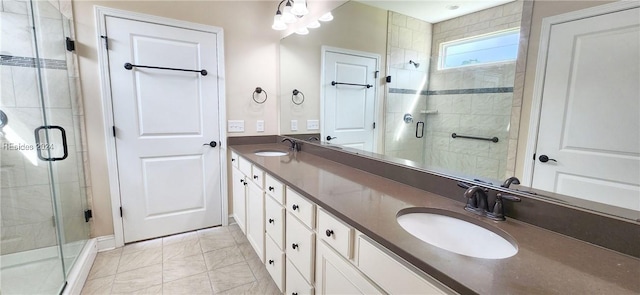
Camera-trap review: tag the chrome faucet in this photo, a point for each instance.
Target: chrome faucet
(295, 146)
(312, 138)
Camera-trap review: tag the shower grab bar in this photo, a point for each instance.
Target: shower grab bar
(130, 66)
(494, 139)
(39, 146)
(334, 83)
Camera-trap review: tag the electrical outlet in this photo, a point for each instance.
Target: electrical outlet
(260, 125)
(313, 124)
(235, 126)
(294, 125)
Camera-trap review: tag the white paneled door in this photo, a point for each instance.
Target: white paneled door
(166, 125)
(589, 139)
(349, 98)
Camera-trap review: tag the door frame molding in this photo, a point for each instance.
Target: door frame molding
(377, 117)
(100, 14)
(541, 69)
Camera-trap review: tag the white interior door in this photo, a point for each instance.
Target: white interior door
(169, 179)
(590, 119)
(349, 110)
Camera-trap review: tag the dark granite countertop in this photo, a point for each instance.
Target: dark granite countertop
(546, 262)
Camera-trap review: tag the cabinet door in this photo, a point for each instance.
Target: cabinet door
(239, 201)
(274, 262)
(335, 275)
(295, 283)
(274, 217)
(300, 247)
(255, 219)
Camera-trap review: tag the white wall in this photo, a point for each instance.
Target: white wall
(251, 60)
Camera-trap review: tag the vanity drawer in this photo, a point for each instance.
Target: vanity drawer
(274, 262)
(245, 166)
(392, 275)
(295, 283)
(301, 208)
(335, 233)
(300, 247)
(234, 159)
(274, 221)
(274, 188)
(257, 176)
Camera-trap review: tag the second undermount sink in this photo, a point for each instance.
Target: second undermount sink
(270, 153)
(448, 231)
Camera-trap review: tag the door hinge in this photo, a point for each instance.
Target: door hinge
(374, 125)
(534, 156)
(376, 74)
(388, 79)
(87, 215)
(71, 45)
(114, 130)
(106, 42)
(120, 211)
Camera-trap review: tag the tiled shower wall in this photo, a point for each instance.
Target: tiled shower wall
(27, 208)
(474, 101)
(408, 39)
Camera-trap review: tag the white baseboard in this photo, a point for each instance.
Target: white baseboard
(80, 271)
(106, 243)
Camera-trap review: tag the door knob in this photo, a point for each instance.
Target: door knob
(212, 144)
(329, 232)
(545, 158)
(294, 246)
(329, 137)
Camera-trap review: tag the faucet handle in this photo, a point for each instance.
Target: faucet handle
(498, 208)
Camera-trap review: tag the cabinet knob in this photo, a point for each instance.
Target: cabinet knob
(294, 293)
(294, 246)
(329, 232)
(271, 188)
(270, 261)
(271, 220)
(241, 180)
(295, 207)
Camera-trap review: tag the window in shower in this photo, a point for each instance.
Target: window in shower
(501, 46)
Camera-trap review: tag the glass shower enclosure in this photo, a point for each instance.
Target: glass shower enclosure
(43, 193)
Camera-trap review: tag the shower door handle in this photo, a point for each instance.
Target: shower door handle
(421, 133)
(40, 146)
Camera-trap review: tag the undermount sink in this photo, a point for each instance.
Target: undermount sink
(447, 230)
(270, 153)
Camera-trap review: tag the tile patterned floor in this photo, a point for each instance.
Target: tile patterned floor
(211, 261)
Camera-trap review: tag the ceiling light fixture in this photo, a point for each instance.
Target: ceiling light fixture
(292, 11)
(326, 17)
(302, 31)
(313, 25)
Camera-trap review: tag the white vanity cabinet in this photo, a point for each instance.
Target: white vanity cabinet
(275, 230)
(307, 250)
(392, 274)
(238, 193)
(255, 219)
(335, 274)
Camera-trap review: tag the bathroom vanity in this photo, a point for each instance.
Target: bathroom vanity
(324, 227)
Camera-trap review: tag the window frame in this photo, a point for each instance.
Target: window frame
(443, 45)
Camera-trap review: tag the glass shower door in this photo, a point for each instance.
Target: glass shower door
(43, 193)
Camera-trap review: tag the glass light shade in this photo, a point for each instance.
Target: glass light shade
(302, 31)
(314, 24)
(326, 17)
(299, 7)
(287, 16)
(278, 24)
